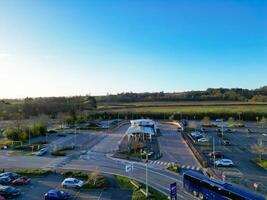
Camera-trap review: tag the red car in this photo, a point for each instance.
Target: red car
(23, 180)
(217, 154)
(2, 198)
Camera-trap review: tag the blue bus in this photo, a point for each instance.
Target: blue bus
(209, 189)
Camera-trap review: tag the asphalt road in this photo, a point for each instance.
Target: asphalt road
(98, 159)
(174, 148)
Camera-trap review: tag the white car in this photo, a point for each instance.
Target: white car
(224, 163)
(203, 139)
(196, 133)
(41, 152)
(72, 183)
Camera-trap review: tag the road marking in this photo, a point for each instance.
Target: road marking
(99, 196)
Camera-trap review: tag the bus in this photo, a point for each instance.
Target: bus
(206, 188)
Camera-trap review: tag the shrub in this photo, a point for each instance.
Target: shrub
(174, 168)
(33, 172)
(58, 153)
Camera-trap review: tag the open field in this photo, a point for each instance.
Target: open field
(185, 107)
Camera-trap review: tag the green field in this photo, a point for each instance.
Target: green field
(185, 108)
(190, 110)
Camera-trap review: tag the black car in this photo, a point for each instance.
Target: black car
(225, 143)
(11, 175)
(51, 131)
(9, 191)
(5, 180)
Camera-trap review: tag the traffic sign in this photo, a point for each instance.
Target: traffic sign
(173, 189)
(129, 168)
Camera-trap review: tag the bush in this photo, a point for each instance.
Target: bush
(100, 182)
(174, 168)
(262, 163)
(33, 172)
(58, 153)
(75, 174)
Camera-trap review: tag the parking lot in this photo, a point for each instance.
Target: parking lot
(239, 151)
(40, 185)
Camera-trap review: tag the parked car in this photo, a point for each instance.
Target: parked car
(9, 191)
(11, 175)
(196, 135)
(217, 154)
(23, 180)
(203, 129)
(249, 130)
(228, 130)
(225, 142)
(224, 163)
(72, 183)
(5, 180)
(4, 147)
(180, 129)
(2, 198)
(52, 131)
(62, 135)
(42, 152)
(56, 195)
(203, 139)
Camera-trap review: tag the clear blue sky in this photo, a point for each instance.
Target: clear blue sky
(71, 47)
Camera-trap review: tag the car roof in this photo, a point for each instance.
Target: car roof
(70, 179)
(53, 191)
(4, 187)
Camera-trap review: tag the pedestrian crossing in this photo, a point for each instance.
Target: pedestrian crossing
(167, 164)
(59, 163)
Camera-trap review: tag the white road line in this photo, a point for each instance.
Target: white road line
(99, 196)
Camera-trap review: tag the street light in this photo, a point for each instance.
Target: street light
(146, 173)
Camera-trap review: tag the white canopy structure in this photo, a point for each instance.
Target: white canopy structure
(142, 129)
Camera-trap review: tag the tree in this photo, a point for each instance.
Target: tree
(12, 134)
(231, 121)
(90, 102)
(259, 149)
(263, 121)
(95, 176)
(206, 120)
(137, 145)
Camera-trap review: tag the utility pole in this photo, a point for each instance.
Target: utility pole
(146, 174)
(222, 128)
(213, 152)
(29, 136)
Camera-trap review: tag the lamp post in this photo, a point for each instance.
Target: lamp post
(146, 174)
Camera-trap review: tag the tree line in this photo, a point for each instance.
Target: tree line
(50, 106)
(211, 94)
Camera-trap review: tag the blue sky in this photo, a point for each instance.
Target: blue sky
(67, 47)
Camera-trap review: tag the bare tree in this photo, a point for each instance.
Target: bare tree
(231, 121)
(259, 148)
(137, 145)
(95, 176)
(206, 120)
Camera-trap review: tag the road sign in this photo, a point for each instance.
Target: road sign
(173, 189)
(129, 168)
(255, 185)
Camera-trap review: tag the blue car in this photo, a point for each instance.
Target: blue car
(56, 195)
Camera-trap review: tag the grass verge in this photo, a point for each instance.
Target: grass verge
(33, 172)
(125, 183)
